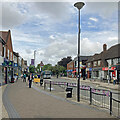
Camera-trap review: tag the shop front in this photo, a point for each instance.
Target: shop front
(118, 73)
(96, 73)
(88, 72)
(69, 73)
(110, 73)
(1, 70)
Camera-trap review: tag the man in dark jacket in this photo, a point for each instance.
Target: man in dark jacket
(30, 78)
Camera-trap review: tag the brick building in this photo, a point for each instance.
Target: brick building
(6, 50)
(105, 66)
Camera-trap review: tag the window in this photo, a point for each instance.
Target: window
(118, 60)
(115, 61)
(109, 62)
(95, 63)
(11, 55)
(8, 53)
(4, 51)
(99, 62)
(88, 64)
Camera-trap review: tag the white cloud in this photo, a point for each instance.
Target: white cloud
(52, 37)
(93, 19)
(11, 16)
(57, 45)
(104, 9)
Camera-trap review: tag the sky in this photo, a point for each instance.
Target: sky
(51, 28)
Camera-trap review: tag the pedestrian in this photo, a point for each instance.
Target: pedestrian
(24, 77)
(30, 77)
(41, 79)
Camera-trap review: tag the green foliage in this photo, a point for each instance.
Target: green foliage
(32, 69)
(57, 69)
(47, 67)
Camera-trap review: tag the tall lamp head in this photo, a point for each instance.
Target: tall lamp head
(79, 5)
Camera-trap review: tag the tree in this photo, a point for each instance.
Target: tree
(65, 61)
(47, 67)
(32, 69)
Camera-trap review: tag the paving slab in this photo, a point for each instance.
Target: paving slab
(32, 103)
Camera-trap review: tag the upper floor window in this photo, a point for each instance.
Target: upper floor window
(109, 62)
(11, 55)
(95, 63)
(88, 64)
(115, 61)
(8, 53)
(118, 60)
(3, 51)
(99, 62)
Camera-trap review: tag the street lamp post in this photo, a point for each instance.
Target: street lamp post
(34, 56)
(79, 5)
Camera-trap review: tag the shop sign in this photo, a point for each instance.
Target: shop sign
(5, 63)
(15, 65)
(10, 63)
(90, 69)
(110, 68)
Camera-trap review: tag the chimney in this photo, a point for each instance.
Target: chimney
(104, 47)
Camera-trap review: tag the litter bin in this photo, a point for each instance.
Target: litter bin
(69, 92)
(41, 82)
(12, 80)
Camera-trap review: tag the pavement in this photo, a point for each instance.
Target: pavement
(100, 84)
(25, 102)
(3, 112)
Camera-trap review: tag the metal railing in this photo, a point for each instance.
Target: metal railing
(98, 97)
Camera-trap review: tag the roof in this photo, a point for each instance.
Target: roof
(4, 35)
(16, 54)
(83, 58)
(71, 62)
(2, 41)
(112, 52)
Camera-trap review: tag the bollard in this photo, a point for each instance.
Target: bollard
(44, 85)
(110, 103)
(67, 84)
(90, 96)
(50, 86)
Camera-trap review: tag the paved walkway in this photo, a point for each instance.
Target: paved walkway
(36, 103)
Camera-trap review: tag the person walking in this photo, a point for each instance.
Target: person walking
(30, 77)
(24, 77)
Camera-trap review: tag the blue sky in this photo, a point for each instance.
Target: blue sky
(52, 28)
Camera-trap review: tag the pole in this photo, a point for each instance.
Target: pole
(108, 74)
(78, 87)
(110, 103)
(34, 57)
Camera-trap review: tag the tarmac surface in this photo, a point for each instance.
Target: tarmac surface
(25, 102)
(109, 86)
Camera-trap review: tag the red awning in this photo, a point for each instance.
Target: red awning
(74, 71)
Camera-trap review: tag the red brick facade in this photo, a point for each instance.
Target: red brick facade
(6, 37)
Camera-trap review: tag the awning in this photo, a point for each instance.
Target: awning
(74, 71)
